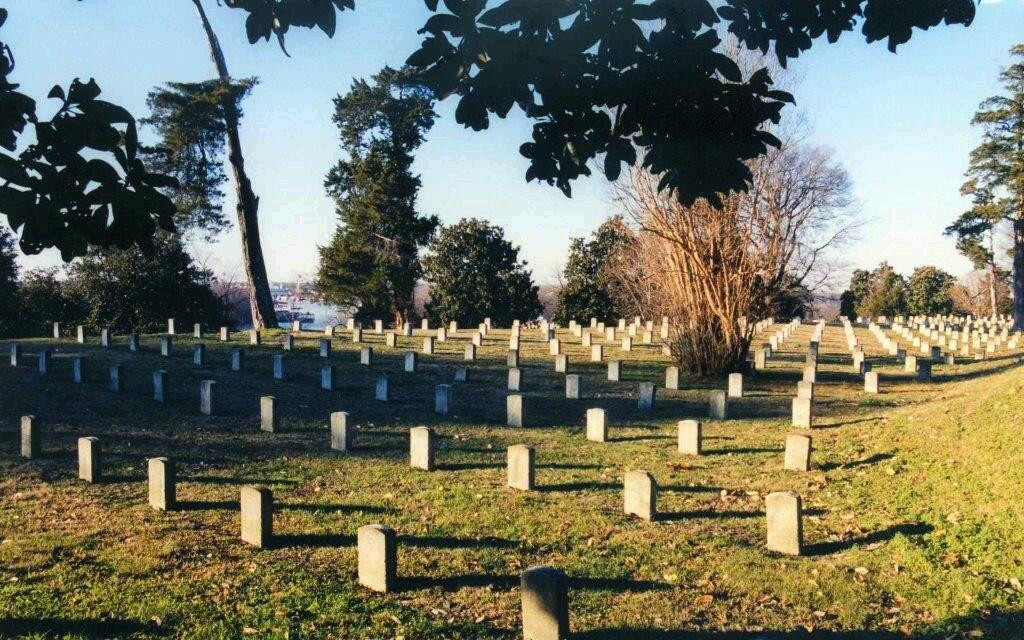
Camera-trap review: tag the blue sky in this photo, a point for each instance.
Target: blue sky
(899, 123)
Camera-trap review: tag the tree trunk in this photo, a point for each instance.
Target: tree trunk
(1018, 272)
(260, 301)
(994, 303)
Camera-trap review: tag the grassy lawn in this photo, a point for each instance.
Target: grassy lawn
(913, 511)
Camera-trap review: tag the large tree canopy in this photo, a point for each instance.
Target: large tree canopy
(475, 273)
(928, 292)
(604, 77)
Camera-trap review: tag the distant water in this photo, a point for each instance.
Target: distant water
(322, 312)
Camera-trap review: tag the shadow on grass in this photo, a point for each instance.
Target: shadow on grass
(508, 583)
(448, 542)
(121, 479)
(295, 540)
(237, 481)
(312, 540)
(207, 505)
(707, 514)
(686, 488)
(467, 466)
(578, 486)
(907, 529)
(741, 450)
(60, 627)
(639, 438)
(334, 508)
(845, 423)
(863, 462)
(1003, 623)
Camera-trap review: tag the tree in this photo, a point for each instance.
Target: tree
(605, 77)
(372, 262)
(996, 180)
(587, 291)
(928, 292)
(128, 290)
(246, 203)
(42, 301)
(189, 119)
(474, 273)
(860, 286)
(792, 300)
(708, 266)
(975, 231)
(972, 294)
(9, 310)
(885, 295)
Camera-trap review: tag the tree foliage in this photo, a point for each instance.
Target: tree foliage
(883, 292)
(793, 299)
(929, 292)
(81, 181)
(41, 301)
(588, 288)
(475, 273)
(8, 283)
(372, 261)
(127, 290)
(605, 77)
(860, 286)
(995, 179)
(275, 17)
(189, 119)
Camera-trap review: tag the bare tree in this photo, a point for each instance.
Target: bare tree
(708, 267)
(981, 293)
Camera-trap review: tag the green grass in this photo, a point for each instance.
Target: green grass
(913, 510)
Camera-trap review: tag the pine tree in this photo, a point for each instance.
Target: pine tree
(189, 119)
(372, 261)
(996, 180)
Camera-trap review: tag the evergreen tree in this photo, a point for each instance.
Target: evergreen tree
(975, 231)
(996, 180)
(475, 273)
(586, 292)
(43, 300)
(189, 118)
(128, 290)
(372, 261)
(886, 293)
(881, 292)
(928, 292)
(860, 284)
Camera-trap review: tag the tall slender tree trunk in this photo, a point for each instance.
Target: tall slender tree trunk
(1018, 271)
(993, 302)
(260, 301)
